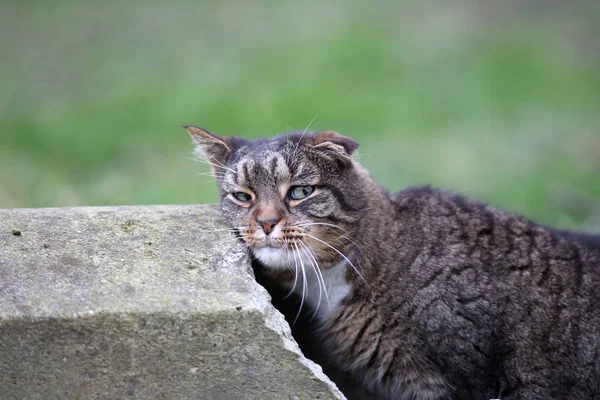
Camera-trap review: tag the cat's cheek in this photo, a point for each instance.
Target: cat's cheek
(315, 207)
(323, 212)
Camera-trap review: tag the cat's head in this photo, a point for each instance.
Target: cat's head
(292, 199)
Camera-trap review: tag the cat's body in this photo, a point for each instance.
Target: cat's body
(491, 306)
(423, 294)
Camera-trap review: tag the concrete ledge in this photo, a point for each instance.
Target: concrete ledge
(143, 303)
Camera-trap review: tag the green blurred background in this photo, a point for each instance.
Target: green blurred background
(499, 100)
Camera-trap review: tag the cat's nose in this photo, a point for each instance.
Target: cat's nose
(268, 224)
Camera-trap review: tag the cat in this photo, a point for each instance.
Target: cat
(423, 294)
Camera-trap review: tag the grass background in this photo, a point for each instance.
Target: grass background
(498, 100)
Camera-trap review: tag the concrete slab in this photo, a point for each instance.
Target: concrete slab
(139, 302)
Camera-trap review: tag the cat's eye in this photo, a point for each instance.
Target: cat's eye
(300, 192)
(243, 197)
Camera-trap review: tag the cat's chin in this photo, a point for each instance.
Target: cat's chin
(280, 257)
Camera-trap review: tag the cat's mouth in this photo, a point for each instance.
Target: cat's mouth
(278, 243)
(274, 257)
(282, 247)
(276, 246)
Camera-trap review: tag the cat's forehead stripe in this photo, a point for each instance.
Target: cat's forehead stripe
(266, 167)
(243, 171)
(278, 167)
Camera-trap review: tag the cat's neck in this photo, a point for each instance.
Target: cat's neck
(326, 289)
(354, 270)
(375, 227)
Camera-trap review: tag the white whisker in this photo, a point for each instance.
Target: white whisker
(295, 275)
(223, 166)
(220, 230)
(340, 253)
(333, 226)
(303, 285)
(218, 165)
(320, 223)
(320, 277)
(305, 130)
(210, 174)
(319, 284)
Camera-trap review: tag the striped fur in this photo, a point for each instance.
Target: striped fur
(442, 297)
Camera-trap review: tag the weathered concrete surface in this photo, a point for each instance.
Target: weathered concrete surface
(139, 302)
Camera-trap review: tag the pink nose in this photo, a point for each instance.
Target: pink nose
(268, 224)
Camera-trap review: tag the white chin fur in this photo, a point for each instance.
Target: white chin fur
(274, 257)
(324, 292)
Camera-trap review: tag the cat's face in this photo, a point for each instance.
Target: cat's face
(293, 199)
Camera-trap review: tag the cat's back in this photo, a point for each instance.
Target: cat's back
(518, 296)
(429, 208)
(508, 247)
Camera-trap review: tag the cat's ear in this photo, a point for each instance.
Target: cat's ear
(213, 148)
(335, 144)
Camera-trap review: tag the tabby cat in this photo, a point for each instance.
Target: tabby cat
(422, 294)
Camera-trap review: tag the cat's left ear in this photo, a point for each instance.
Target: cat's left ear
(213, 147)
(335, 144)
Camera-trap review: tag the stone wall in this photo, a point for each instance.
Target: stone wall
(141, 303)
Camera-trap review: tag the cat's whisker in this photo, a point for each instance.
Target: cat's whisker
(223, 236)
(303, 285)
(319, 284)
(319, 274)
(220, 165)
(233, 228)
(340, 253)
(201, 160)
(205, 161)
(305, 130)
(286, 243)
(210, 180)
(219, 230)
(295, 275)
(209, 174)
(303, 224)
(309, 223)
(350, 240)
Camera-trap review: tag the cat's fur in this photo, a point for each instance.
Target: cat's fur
(431, 295)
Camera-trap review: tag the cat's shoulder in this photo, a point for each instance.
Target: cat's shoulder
(428, 196)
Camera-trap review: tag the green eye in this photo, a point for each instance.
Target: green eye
(241, 196)
(300, 192)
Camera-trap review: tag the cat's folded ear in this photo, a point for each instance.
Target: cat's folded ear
(335, 144)
(213, 148)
